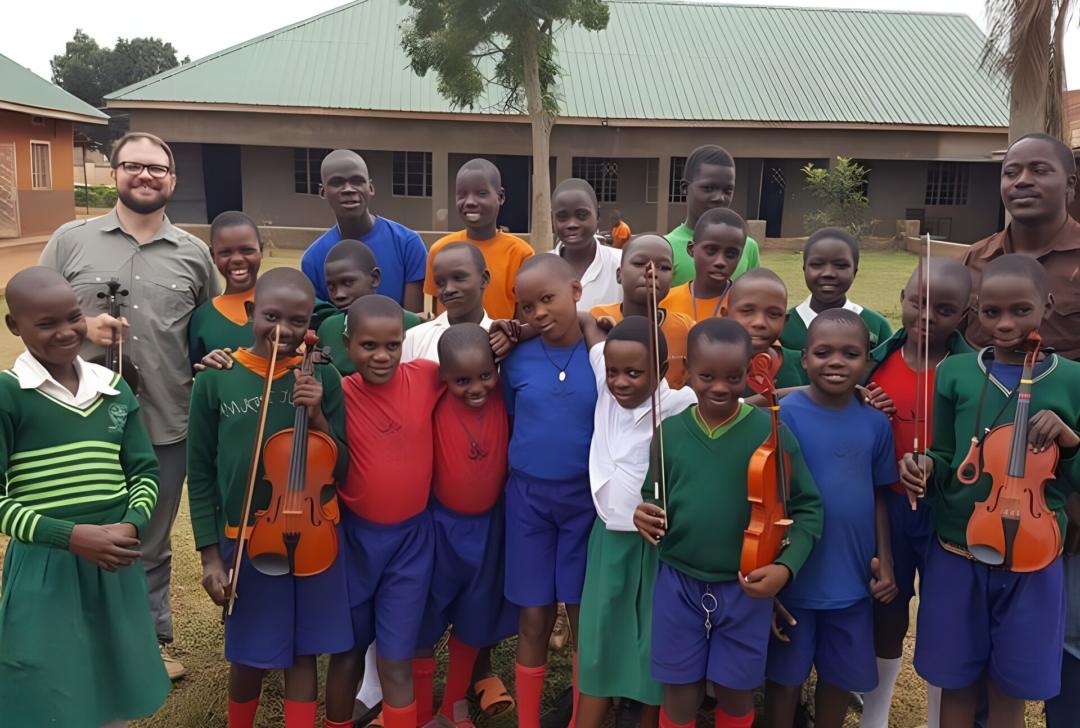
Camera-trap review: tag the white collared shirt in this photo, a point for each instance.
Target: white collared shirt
(599, 285)
(808, 314)
(422, 342)
(619, 454)
(94, 381)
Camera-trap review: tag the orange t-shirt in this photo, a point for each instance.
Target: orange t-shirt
(231, 305)
(503, 254)
(680, 300)
(619, 235)
(676, 328)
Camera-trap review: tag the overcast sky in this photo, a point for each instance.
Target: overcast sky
(31, 34)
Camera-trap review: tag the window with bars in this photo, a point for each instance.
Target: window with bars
(602, 173)
(412, 174)
(676, 191)
(947, 183)
(306, 164)
(40, 166)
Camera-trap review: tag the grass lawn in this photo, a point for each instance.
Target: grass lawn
(199, 700)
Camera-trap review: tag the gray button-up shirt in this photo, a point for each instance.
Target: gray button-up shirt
(166, 278)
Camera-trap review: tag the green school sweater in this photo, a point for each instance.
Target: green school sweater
(332, 333)
(684, 264)
(707, 502)
(957, 386)
(794, 336)
(224, 418)
(209, 329)
(65, 466)
(323, 310)
(956, 344)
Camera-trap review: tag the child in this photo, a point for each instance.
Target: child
(574, 214)
(637, 254)
(709, 183)
(849, 449)
(479, 194)
(709, 621)
(975, 621)
(222, 322)
(77, 642)
(902, 386)
(387, 526)
(277, 622)
(471, 439)
(830, 262)
(616, 605)
(550, 395)
(758, 301)
(620, 231)
(717, 248)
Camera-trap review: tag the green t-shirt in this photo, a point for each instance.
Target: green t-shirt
(332, 331)
(684, 264)
(794, 335)
(209, 329)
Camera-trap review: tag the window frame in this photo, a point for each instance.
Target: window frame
(676, 191)
(405, 187)
(600, 172)
(313, 177)
(948, 184)
(35, 172)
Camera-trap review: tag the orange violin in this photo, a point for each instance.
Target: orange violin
(1013, 528)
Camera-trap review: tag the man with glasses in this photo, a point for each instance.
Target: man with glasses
(167, 274)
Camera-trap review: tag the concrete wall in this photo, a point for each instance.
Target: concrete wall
(41, 211)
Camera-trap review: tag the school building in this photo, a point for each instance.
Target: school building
(780, 88)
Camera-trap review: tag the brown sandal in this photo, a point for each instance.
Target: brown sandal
(492, 696)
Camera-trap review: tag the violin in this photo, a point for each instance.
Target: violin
(297, 533)
(114, 359)
(768, 481)
(1013, 528)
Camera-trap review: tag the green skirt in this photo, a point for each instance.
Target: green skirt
(77, 644)
(616, 617)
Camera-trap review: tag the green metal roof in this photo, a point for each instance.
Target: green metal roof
(660, 61)
(22, 87)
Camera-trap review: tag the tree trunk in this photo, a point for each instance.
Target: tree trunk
(541, 121)
(1028, 96)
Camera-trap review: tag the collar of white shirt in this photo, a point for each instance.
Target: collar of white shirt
(442, 321)
(603, 253)
(94, 381)
(808, 314)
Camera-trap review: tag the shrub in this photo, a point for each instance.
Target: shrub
(100, 196)
(842, 197)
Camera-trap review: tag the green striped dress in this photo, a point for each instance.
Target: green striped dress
(77, 643)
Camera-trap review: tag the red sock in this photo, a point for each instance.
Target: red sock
(343, 724)
(530, 683)
(723, 720)
(242, 715)
(458, 675)
(423, 674)
(399, 717)
(300, 715)
(577, 695)
(666, 722)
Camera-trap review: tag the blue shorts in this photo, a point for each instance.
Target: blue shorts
(911, 533)
(732, 655)
(838, 642)
(275, 618)
(389, 577)
(975, 620)
(547, 539)
(468, 579)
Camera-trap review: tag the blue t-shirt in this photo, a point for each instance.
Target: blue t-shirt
(1007, 374)
(399, 252)
(849, 452)
(553, 420)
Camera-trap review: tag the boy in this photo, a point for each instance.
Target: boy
(709, 183)
(636, 282)
(710, 621)
(975, 621)
(620, 231)
(758, 301)
(348, 188)
(574, 214)
(849, 451)
(479, 195)
(80, 482)
(387, 527)
(717, 248)
(830, 263)
(903, 386)
(277, 622)
(550, 393)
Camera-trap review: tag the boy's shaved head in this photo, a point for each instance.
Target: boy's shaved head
(579, 185)
(1021, 266)
(636, 329)
(552, 266)
(643, 238)
(28, 287)
(356, 253)
(463, 247)
(945, 274)
(482, 165)
(719, 216)
(839, 317)
(284, 278)
(463, 337)
(718, 331)
(370, 307)
(339, 158)
(750, 277)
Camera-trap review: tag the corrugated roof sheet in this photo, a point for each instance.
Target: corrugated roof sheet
(22, 86)
(662, 61)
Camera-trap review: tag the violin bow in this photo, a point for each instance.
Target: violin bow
(659, 478)
(922, 377)
(249, 492)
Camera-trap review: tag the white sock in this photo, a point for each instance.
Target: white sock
(371, 689)
(876, 703)
(933, 706)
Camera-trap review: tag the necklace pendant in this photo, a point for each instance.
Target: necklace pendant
(562, 376)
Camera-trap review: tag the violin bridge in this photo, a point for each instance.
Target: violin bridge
(293, 513)
(784, 522)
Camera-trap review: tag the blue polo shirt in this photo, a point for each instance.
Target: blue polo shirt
(849, 452)
(399, 252)
(553, 419)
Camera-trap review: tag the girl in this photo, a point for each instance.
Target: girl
(574, 218)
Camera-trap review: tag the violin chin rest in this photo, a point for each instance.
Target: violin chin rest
(986, 554)
(271, 564)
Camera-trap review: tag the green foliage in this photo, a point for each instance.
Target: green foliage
(100, 196)
(90, 71)
(842, 198)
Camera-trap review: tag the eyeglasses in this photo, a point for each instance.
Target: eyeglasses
(157, 171)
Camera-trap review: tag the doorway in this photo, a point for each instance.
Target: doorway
(9, 193)
(773, 187)
(222, 179)
(516, 171)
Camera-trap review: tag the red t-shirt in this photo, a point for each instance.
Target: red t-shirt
(470, 453)
(905, 387)
(389, 433)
